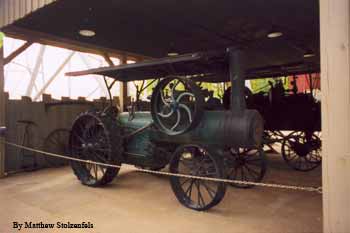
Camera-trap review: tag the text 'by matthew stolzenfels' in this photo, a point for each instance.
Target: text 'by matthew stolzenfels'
(58, 225)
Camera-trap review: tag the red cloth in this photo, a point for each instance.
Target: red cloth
(303, 82)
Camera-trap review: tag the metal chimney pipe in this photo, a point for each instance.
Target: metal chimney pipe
(237, 78)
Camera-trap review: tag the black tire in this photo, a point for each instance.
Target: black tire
(300, 152)
(246, 165)
(193, 158)
(96, 138)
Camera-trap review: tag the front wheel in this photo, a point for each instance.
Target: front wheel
(195, 160)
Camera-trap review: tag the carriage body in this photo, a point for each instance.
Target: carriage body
(293, 112)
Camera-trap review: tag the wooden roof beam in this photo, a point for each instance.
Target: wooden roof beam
(17, 52)
(49, 39)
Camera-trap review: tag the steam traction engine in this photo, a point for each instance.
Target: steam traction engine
(177, 131)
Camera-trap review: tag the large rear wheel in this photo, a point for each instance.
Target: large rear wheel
(97, 139)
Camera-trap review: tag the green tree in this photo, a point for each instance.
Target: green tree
(2, 35)
(262, 85)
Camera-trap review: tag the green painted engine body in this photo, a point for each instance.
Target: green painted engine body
(139, 149)
(219, 129)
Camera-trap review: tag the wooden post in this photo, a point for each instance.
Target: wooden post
(335, 81)
(2, 108)
(123, 95)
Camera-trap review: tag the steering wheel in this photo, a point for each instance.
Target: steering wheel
(176, 105)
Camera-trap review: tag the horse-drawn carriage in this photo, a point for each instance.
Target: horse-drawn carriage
(292, 119)
(178, 130)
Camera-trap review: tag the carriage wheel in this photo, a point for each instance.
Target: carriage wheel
(197, 194)
(272, 138)
(96, 139)
(57, 142)
(246, 165)
(302, 151)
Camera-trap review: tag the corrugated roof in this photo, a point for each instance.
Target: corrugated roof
(12, 10)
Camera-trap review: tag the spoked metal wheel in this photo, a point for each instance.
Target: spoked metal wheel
(193, 193)
(176, 105)
(246, 164)
(57, 142)
(302, 150)
(93, 138)
(273, 139)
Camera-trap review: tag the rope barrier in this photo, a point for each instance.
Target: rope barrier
(70, 158)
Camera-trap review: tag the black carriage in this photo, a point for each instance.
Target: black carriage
(291, 118)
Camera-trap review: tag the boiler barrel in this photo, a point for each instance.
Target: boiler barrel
(221, 128)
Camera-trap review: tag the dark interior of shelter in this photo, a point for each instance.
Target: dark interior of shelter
(155, 28)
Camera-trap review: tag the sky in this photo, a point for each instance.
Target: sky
(18, 73)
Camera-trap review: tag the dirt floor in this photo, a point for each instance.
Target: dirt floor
(137, 202)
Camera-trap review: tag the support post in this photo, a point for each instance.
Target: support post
(237, 78)
(123, 95)
(335, 80)
(2, 108)
(108, 59)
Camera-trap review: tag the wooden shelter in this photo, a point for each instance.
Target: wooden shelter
(276, 32)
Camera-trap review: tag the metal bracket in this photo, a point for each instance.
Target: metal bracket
(3, 131)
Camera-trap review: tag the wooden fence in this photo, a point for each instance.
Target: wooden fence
(33, 123)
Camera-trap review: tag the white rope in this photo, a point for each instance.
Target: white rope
(270, 185)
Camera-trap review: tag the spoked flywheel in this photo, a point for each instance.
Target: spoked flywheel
(193, 193)
(176, 105)
(97, 139)
(246, 164)
(302, 150)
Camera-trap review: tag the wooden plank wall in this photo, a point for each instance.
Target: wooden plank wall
(46, 118)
